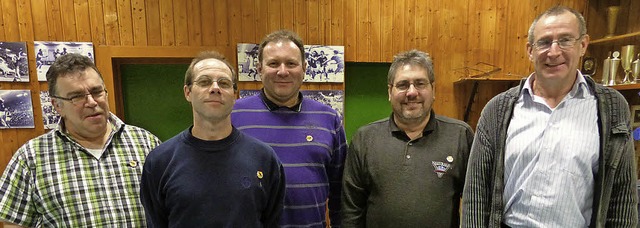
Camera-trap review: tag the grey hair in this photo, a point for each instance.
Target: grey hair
(415, 58)
(554, 11)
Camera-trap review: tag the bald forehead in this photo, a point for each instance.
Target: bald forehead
(211, 64)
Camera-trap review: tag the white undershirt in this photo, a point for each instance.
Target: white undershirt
(97, 153)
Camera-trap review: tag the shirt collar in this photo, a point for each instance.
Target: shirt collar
(399, 133)
(273, 106)
(115, 123)
(580, 88)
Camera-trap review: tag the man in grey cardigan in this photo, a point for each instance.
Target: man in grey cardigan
(557, 150)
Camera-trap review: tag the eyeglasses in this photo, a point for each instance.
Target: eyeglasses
(403, 86)
(82, 98)
(206, 82)
(564, 43)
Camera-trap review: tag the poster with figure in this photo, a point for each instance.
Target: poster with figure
(14, 65)
(247, 62)
(16, 109)
(47, 52)
(324, 63)
(50, 117)
(333, 98)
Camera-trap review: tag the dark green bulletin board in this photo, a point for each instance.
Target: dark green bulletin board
(153, 97)
(366, 98)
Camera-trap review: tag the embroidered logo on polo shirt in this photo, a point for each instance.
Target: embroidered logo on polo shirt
(440, 167)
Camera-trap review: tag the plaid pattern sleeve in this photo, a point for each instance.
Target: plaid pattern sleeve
(15, 187)
(52, 181)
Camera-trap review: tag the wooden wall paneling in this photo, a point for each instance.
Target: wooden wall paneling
(96, 19)
(287, 18)
(450, 20)
(83, 23)
(483, 25)
(350, 30)
(386, 31)
(209, 23)
(222, 18)
(397, 30)
(375, 31)
(139, 22)
(362, 31)
(181, 26)
(68, 20)
(249, 17)
(313, 36)
(25, 22)
(194, 22)
(54, 20)
(409, 29)
(111, 26)
(301, 18)
(337, 23)
(325, 22)
(502, 24)
(2, 29)
(10, 20)
(275, 12)
(153, 29)
(232, 29)
(261, 21)
(425, 29)
(507, 57)
(326, 14)
(167, 23)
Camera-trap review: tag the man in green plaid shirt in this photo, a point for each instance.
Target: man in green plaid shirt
(84, 173)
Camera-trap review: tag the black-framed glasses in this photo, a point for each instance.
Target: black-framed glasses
(82, 98)
(564, 43)
(403, 86)
(206, 82)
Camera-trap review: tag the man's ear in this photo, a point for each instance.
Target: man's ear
(187, 93)
(529, 51)
(56, 104)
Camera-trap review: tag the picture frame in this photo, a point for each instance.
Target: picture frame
(635, 116)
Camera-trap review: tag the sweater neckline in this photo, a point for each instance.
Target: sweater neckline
(211, 145)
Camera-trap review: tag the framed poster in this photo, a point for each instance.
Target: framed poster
(47, 52)
(16, 110)
(14, 66)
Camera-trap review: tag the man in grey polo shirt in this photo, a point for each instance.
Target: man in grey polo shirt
(407, 170)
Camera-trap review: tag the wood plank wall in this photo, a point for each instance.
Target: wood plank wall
(455, 32)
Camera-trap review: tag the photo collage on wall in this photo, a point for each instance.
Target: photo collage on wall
(324, 63)
(333, 98)
(16, 107)
(13, 62)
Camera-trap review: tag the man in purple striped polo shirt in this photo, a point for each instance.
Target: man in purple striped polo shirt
(307, 136)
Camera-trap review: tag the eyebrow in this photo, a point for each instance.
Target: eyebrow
(81, 92)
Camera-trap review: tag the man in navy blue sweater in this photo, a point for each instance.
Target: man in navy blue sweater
(211, 174)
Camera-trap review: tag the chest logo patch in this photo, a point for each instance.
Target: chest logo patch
(440, 167)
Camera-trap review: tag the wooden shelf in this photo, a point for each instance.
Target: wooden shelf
(489, 79)
(619, 39)
(626, 86)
